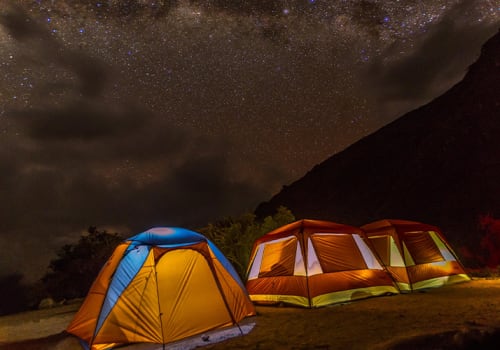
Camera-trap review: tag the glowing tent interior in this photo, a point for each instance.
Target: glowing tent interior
(314, 263)
(417, 255)
(160, 286)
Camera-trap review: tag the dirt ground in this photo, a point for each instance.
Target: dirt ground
(461, 316)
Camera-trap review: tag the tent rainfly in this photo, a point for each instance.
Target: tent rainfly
(417, 255)
(160, 286)
(314, 263)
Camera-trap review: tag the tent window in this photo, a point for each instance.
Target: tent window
(445, 252)
(381, 245)
(278, 258)
(422, 247)
(338, 252)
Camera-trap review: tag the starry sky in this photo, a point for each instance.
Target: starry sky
(131, 114)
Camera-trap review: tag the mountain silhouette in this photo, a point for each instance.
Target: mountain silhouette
(438, 164)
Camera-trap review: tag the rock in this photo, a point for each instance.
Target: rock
(46, 303)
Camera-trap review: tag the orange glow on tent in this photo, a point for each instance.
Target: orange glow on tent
(314, 263)
(160, 286)
(416, 254)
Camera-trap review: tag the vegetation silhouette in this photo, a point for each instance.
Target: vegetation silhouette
(235, 236)
(76, 266)
(15, 294)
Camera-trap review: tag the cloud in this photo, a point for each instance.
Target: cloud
(46, 201)
(436, 59)
(69, 162)
(44, 48)
(80, 120)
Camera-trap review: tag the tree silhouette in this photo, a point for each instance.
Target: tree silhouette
(77, 265)
(490, 242)
(14, 294)
(235, 237)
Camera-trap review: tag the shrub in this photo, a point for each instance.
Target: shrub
(14, 294)
(235, 237)
(77, 265)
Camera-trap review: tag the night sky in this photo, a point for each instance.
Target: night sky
(127, 115)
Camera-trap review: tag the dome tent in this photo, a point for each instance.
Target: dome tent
(416, 254)
(313, 263)
(160, 286)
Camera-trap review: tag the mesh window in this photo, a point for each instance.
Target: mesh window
(278, 258)
(338, 252)
(422, 247)
(381, 245)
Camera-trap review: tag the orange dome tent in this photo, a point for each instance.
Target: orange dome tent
(160, 286)
(417, 255)
(314, 263)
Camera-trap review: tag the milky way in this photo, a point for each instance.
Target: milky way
(133, 114)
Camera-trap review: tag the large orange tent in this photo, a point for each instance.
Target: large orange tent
(314, 263)
(160, 286)
(416, 254)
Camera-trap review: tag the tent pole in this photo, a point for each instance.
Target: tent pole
(159, 310)
(217, 282)
(306, 260)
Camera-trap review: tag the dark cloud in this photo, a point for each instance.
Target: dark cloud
(79, 120)
(84, 159)
(47, 202)
(43, 48)
(95, 96)
(432, 61)
(21, 26)
(52, 194)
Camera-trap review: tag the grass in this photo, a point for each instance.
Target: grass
(450, 317)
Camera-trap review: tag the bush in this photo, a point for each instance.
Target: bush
(235, 237)
(14, 294)
(77, 265)
(484, 258)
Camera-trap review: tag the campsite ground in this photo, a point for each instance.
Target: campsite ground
(453, 317)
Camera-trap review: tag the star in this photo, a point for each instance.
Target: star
(118, 113)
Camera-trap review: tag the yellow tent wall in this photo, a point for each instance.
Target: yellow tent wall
(160, 293)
